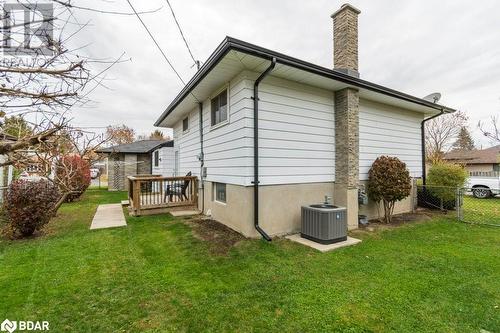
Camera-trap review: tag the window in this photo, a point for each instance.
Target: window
(219, 108)
(157, 158)
(220, 192)
(185, 124)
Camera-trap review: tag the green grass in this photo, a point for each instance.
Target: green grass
(481, 210)
(153, 275)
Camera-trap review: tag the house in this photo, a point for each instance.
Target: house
(131, 159)
(163, 158)
(477, 161)
(267, 133)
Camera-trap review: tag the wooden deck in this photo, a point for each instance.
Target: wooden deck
(149, 194)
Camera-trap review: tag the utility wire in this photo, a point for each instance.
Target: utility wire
(156, 43)
(182, 35)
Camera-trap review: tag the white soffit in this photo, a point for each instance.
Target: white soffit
(235, 62)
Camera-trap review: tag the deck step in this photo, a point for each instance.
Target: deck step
(177, 213)
(125, 203)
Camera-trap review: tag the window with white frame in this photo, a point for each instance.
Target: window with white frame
(219, 108)
(185, 124)
(220, 192)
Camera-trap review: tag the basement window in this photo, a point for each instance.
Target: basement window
(219, 108)
(220, 192)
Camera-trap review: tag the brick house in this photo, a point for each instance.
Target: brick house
(266, 133)
(130, 159)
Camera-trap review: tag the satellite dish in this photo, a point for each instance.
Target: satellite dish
(434, 98)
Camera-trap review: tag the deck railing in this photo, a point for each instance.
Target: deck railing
(148, 194)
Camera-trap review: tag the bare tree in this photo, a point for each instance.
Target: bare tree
(120, 134)
(50, 157)
(441, 132)
(42, 77)
(157, 135)
(491, 130)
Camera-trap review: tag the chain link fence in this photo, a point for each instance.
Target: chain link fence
(468, 205)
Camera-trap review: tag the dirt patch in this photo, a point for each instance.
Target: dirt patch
(399, 220)
(220, 239)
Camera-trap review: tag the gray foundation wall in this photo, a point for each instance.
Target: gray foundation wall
(280, 206)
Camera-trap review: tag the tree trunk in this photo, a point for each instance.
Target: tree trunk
(58, 204)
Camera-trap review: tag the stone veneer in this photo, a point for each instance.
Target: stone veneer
(345, 39)
(347, 137)
(347, 153)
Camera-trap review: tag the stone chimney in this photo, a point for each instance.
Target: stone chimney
(345, 40)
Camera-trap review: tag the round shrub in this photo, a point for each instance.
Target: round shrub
(73, 174)
(444, 178)
(28, 206)
(388, 181)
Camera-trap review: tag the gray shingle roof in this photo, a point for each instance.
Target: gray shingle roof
(137, 147)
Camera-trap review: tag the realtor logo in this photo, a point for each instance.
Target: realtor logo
(27, 28)
(23, 325)
(8, 326)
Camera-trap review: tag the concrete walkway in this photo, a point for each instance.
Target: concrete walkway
(108, 216)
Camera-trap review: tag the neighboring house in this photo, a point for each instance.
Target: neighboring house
(129, 160)
(163, 160)
(477, 161)
(278, 132)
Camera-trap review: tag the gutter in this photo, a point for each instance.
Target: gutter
(202, 160)
(256, 149)
(422, 138)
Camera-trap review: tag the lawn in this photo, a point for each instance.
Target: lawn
(154, 275)
(481, 210)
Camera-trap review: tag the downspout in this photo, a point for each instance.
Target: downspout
(422, 138)
(202, 159)
(256, 150)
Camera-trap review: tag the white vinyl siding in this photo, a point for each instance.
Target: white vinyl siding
(225, 146)
(296, 133)
(386, 130)
(166, 162)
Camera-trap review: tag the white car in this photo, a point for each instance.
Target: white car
(484, 187)
(32, 178)
(94, 173)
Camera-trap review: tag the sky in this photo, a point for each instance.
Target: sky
(417, 47)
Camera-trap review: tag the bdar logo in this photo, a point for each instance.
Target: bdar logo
(9, 326)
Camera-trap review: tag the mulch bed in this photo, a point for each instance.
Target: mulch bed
(399, 220)
(219, 238)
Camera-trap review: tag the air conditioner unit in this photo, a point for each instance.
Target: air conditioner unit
(324, 223)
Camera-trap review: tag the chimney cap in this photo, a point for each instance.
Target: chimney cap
(345, 7)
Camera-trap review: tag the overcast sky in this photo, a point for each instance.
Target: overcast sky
(417, 47)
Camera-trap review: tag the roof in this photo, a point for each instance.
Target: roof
(233, 56)
(484, 156)
(137, 147)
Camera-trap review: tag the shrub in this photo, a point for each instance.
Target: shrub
(28, 206)
(444, 179)
(388, 181)
(73, 174)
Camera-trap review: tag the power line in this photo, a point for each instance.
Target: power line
(182, 34)
(156, 43)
